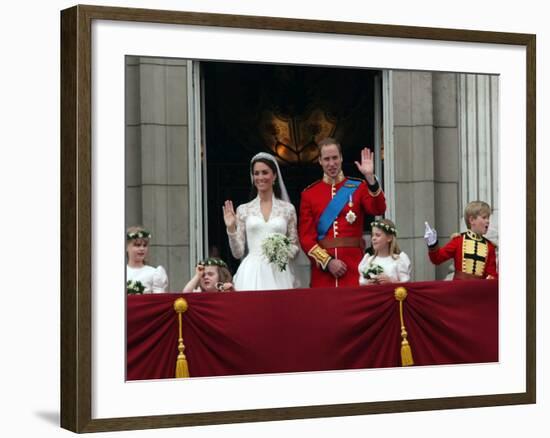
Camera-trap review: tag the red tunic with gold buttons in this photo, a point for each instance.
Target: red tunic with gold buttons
(474, 256)
(343, 240)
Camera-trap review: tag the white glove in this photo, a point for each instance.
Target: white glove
(430, 235)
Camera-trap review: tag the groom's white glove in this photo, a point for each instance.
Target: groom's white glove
(430, 235)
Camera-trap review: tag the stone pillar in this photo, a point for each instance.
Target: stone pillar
(447, 162)
(157, 183)
(413, 150)
(479, 120)
(444, 154)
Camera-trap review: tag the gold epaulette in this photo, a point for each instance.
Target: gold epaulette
(320, 255)
(312, 184)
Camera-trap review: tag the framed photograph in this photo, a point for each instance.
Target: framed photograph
(450, 117)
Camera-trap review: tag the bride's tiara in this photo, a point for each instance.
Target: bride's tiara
(264, 155)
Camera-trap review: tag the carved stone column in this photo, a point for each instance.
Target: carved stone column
(157, 183)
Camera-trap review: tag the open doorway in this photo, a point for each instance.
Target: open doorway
(284, 110)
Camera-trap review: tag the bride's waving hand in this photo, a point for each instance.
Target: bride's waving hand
(229, 216)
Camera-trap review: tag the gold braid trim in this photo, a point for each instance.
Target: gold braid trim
(182, 369)
(320, 255)
(406, 352)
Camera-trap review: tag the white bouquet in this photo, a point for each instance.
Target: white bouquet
(134, 287)
(372, 271)
(276, 248)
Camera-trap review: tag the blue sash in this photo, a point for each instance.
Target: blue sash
(335, 206)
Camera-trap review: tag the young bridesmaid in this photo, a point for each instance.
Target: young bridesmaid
(140, 277)
(210, 275)
(388, 264)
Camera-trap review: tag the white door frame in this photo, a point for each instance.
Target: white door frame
(196, 169)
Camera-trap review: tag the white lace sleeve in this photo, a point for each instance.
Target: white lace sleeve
(237, 239)
(404, 267)
(292, 231)
(160, 280)
(362, 267)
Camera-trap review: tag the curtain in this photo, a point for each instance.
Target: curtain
(232, 333)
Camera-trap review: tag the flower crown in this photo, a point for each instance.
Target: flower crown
(141, 234)
(212, 261)
(387, 228)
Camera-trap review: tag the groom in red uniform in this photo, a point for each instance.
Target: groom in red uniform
(331, 217)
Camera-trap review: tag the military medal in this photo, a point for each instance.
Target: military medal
(350, 216)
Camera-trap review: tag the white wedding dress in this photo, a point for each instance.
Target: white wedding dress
(255, 272)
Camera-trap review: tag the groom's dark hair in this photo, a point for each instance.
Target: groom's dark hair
(329, 141)
(271, 165)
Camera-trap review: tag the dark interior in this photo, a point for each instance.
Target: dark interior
(239, 100)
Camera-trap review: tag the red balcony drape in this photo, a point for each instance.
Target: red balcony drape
(448, 322)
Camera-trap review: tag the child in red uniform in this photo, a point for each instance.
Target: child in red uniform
(474, 255)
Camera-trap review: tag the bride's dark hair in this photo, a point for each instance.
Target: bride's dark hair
(271, 165)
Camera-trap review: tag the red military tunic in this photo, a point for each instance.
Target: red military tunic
(474, 256)
(343, 240)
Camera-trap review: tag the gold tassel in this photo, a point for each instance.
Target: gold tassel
(182, 369)
(406, 352)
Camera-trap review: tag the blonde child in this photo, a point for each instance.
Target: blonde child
(388, 264)
(474, 255)
(210, 275)
(140, 277)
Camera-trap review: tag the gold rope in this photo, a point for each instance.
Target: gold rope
(406, 352)
(182, 369)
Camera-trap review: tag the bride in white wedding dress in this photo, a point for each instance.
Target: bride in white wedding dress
(268, 213)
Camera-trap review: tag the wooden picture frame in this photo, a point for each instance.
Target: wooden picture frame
(76, 217)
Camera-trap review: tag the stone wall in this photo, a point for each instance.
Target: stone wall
(445, 154)
(157, 185)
